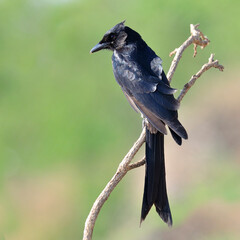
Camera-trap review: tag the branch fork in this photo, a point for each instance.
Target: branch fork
(197, 38)
(211, 64)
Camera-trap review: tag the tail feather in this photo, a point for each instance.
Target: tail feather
(177, 138)
(155, 191)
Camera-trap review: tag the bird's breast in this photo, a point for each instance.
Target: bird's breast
(125, 68)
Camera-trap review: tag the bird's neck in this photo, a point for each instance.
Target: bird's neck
(126, 53)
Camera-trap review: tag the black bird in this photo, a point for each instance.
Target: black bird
(138, 70)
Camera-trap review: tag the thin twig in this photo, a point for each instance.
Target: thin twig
(211, 63)
(198, 39)
(137, 164)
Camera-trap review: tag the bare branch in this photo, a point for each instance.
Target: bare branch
(137, 164)
(102, 198)
(197, 39)
(211, 63)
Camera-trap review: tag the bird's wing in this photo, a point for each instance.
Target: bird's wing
(152, 118)
(157, 70)
(158, 105)
(131, 102)
(153, 97)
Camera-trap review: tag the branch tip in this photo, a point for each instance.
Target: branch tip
(197, 38)
(211, 63)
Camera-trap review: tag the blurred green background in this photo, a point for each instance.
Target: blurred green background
(65, 124)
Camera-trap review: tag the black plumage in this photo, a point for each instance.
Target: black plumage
(138, 70)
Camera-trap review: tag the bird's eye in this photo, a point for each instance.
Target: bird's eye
(111, 37)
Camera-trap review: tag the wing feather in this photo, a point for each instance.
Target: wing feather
(148, 90)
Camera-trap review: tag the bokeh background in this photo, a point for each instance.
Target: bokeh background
(65, 124)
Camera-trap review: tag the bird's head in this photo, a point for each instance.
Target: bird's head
(115, 38)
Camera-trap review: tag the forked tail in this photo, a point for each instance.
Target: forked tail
(155, 191)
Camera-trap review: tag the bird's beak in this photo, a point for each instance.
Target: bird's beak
(99, 47)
